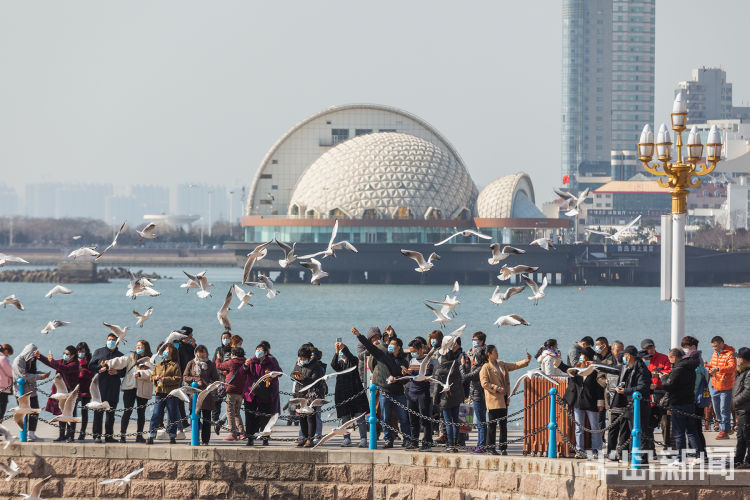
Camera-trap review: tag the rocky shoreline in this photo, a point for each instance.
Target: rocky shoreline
(102, 275)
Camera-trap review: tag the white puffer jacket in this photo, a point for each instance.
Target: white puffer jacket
(142, 384)
(548, 363)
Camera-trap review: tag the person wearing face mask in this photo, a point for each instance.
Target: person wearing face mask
(701, 393)
(264, 400)
(586, 396)
(6, 377)
(549, 358)
(658, 364)
(617, 348)
(203, 372)
(84, 385)
(67, 367)
(136, 390)
(222, 353)
(185, 352)
(109, 387)
(235, 385)
(449, 372)
(24, 366)
(349, 399)
(604, 356)
(476, 393)
(418, 396)
(435, 339)
(634, 377)
(166, 377)
(387, 366)
(305, 373)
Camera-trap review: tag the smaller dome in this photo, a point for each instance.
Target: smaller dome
(510, 196)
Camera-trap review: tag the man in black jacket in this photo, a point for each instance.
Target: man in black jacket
(109, 387)
(679, 385)
(387, 366)
(741, 402)
(634, 377)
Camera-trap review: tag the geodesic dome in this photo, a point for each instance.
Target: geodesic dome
(385, 175)
(510, 196)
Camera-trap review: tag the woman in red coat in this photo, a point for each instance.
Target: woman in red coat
(84, 385)
(67, 368)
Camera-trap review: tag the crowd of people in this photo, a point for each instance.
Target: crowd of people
(422, 386)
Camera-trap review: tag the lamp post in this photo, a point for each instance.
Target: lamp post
(679, 179)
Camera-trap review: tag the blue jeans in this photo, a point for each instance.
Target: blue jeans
(480, 413)
(722, 402)
(421, 404)
(451, 431)
(685, 424)
(596, 437)
(157, 417)
(386, 408)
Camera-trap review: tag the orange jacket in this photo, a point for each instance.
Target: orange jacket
(723, 380)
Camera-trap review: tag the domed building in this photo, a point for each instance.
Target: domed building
(508, 197)
(385, 175)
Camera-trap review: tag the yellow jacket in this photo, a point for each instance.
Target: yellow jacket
(172, 377)
(496, 382)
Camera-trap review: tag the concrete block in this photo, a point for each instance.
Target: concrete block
(426, 493)
(140, 488)
(112, 490)
(361, 457)
(296, 472)
(339, 457)
(213, 489)
(203, 453)
(160, 469)
(121, 468)
(248, 489)
(317, 491)
(466, 479)
(360, 473)
(353, 491)
(180, 489)
(415, 475)
(73, 488)
(282, 491)
(399, 491)
(92, 467)
(180, 453)
(136, 452)
(112, 450)
(159, 452)
(193, 469)
(331, 474)
(94, 451)
(228, 471)
(269, 471)
(440, 476)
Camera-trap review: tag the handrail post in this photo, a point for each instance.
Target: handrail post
(22, 433)
(373, 419)
(635, 452)
(194, 438)
(552, 426)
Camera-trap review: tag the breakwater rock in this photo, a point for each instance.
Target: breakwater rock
(70, 273)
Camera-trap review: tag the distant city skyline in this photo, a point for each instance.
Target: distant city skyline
(122, 93)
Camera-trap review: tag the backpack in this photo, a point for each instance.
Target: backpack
(703, 399)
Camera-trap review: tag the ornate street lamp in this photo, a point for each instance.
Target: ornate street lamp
(679, 177)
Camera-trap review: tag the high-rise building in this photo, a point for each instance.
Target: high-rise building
(8, 201)
(709, 97)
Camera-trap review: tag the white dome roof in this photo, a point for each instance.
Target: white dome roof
(382, 175)
(510, 196)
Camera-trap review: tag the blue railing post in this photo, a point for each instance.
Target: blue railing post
(552, 426)
(194, 439)
(635, 452)
(373, 419)
(22, 432)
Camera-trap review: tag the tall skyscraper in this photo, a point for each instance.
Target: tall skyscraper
(607, 86)
(709, 97)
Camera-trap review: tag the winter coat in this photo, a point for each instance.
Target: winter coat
(362, 362)
(185, 354)
(450, 364)
(224, 352)
(109, 385)
(419, 389)
(235, 374)
(143, 386)
(741, 391)
(584, 391)
(347, 385)
(385, 365)
(636, 378)
(700, 372)
(267, 392)
(549, 362)
(476, 392)
(309, 373)
(172, 377)
(6, 375)
(204, 373)
(723, 380)
(495, 380)
(84, 378)
(69, 372)
(680, 382)
(24, 366)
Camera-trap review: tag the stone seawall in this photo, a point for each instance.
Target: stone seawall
(184, 472)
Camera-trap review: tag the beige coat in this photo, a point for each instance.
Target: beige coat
(496, 382)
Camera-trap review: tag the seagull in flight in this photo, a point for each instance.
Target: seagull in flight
(574, 202)
(202, 282)
(58, 289)
(538, 291)
(289, 256)
(498, 298)
(223, 313)
(265, 283)
(118, 331)
(449, 303)
(440, 317)
(68, 407)
(23, 408)
(123, 480)
(243, 296)
(6, 437)
(621, 234)
(506, 272)
(36, 489)
(510, 320)
(421, 375)
(536, 373)
(450, 340)
(424, 266)
(446, 386)
(266, 432)
(465, 233)
(192, 283)
(186, 391)
(11, 300)
(5, 258)
(83, 253)
(305, 407)
(317, 270)
(56, 323)
(11, 470)
(142, 318)
(96, 402)
(114, 241)
(338, 431)
(147, 232)
(545, 243)
(61, 390)
(265, 377)
(326, 377)
(257, 254)
(498, 255)
(332, 247)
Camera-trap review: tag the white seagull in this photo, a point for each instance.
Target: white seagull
(338, 431)
(140, 286)
(621, 234)
(12, 469)
(192, 283)
(147, 232)
(23, 408)
(421, 375)
(465, 233)
(326, 377)
(36, 488)
(538, 291)
(257, 254)
(203, 284)
(56, 323)
(68, 407)
(142, 318)
(574, 202)
(5, 258)
(545, 243)
(96, 402)
(6, 437)
(266, 432)
(58, 289)
(243, 296)
(223, 314)
(186, 392)
(317, 270)
(510, 320)
(83, 253)
(450, 340)
(265, 377)
(446, 386)
(506, 272)
(440, 317)
(332, 247)
(424, 266)
(61, 390)
(306, 408)
(11, 300)
(289, 256)
(114, 241)
(448, 305)
(121, 333)
(498, 254)
(498, 298)
(265, 283)
(536, 373)
(123, 480)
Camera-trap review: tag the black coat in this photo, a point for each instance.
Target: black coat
(455, 396)
(347, 385)
(584, 393)
(637, 378)
(476, 391)
(310, 373)
(185, 354)
(109, 385)
(679, 383)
